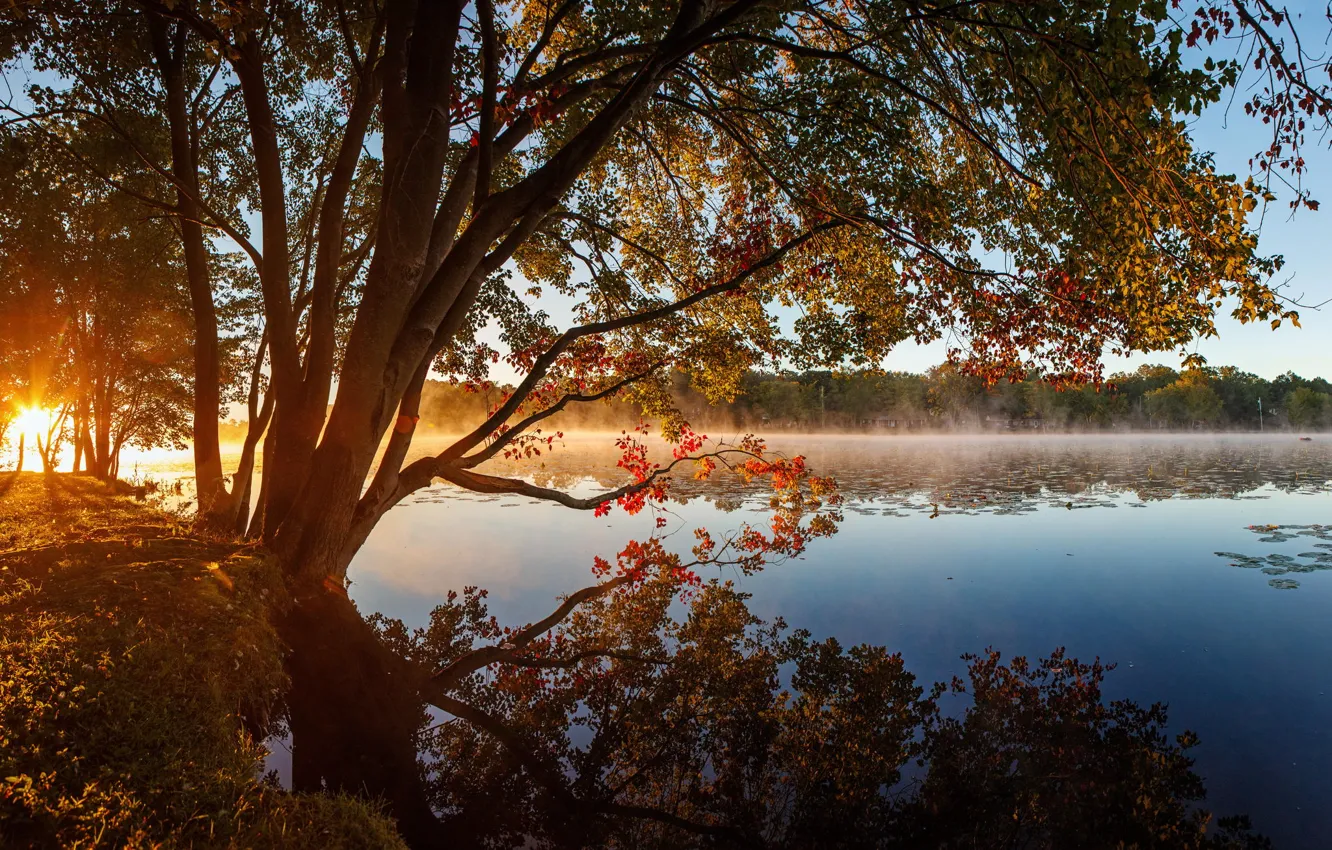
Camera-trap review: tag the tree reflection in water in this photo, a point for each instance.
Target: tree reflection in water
(634, 718)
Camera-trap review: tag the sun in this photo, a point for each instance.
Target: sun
(33, 421)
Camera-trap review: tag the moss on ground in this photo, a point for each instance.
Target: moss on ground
(134, 657)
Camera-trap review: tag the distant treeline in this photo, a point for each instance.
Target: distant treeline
(1152, 398)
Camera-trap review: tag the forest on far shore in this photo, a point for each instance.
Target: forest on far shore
(1152, 398)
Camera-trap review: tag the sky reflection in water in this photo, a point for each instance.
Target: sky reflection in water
(1106, 546)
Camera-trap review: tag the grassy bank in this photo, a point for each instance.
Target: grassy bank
(134, 657)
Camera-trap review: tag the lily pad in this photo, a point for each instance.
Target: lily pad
(1245, 561)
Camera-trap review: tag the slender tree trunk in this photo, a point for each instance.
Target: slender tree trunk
(102, 426)
(81, 405)
(169, 49)
(90, 462)
(19, 466)
(241, 493)
(44, 451)
(77, 466)
(256, 526)
(81, 430)
(243, 481)
(294, 445)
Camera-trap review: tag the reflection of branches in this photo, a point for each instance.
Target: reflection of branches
(449, 676)
(695, 730)
(552, 780)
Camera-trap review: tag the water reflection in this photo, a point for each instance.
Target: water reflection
(992, 474)
(1042, 561)
(640, 722)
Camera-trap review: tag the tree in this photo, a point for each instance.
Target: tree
(951, 392)
(1113, 222)
(698, 164)
(1306, 408)
(1241, 393)
(1189, 401)
(781, 401)
(96, 326)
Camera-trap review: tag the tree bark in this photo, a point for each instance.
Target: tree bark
(418, 80)
(168, 42)
(82, 404)
(102, 421)
(243, 481)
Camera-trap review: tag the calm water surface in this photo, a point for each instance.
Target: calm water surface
(1138, 550)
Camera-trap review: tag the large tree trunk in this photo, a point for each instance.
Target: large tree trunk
(308, 522)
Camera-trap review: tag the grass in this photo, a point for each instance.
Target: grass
(138, 668)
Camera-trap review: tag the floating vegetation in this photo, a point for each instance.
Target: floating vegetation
(1282, 533)
(1245, 561)
(903, 477)
(1277, 563)
(964, 477)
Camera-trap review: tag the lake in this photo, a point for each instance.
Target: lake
(1201, 566)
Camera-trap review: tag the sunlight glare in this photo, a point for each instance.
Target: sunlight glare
(33, 421)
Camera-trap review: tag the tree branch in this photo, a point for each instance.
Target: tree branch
(546, 360)
(490, 81)
(493, 448)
